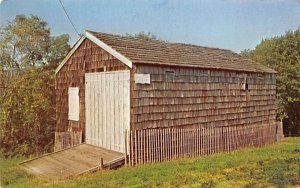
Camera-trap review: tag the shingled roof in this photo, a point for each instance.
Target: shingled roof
(177, 54)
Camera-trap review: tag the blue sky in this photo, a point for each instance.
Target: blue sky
(230, 24)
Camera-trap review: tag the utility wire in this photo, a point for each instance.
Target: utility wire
(68, 17)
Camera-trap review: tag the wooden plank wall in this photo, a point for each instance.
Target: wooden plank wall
(163, 144)
(190, 97)
(87, 58)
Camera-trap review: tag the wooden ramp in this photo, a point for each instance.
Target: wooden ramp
(73, 161)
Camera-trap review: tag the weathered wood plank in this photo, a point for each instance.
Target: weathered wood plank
(70, 162)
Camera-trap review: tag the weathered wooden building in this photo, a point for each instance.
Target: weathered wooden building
(108, 84)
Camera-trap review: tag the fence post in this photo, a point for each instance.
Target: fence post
(126, 140)
(101, 163)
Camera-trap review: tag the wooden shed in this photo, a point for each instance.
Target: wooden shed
(108, 84)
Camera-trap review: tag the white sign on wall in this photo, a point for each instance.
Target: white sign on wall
(142, 78)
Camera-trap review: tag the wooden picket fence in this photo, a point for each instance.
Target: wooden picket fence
(157, 145)
(67, 139)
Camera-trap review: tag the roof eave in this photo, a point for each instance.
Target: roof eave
(200, 66)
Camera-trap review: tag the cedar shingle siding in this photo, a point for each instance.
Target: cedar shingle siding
(192, 97)
(190, 85)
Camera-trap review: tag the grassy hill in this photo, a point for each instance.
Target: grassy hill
(277, 165)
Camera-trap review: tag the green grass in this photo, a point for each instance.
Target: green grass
(277, 165)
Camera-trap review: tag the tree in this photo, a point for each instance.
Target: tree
(27, 104)
(246, 52)
(26, 42)
(145, 36)
(282, 53)
(58, 50)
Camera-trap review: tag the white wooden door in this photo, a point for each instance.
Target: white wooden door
(107, 108)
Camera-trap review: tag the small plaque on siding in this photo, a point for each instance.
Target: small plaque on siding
(142, 78)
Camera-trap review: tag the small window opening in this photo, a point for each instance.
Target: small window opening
(170, 72)
(239, 75)
(99, 69)
(260, 76)
(204, 72)
(169, 75)
(245, 85)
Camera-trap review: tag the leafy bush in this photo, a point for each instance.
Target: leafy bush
(27, 113)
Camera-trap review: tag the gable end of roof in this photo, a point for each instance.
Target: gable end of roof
(107, 48)
(99, 43)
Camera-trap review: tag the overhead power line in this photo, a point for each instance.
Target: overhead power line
(68, 17)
